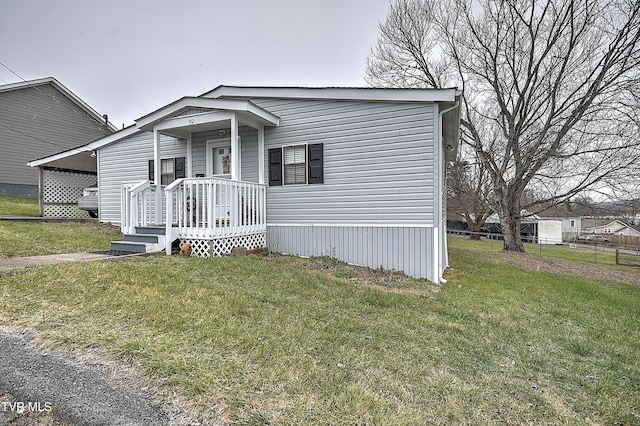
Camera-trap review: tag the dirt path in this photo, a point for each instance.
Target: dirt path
(47, 388)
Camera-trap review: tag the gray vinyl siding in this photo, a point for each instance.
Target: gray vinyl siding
(127, 161)
(36, 122)
(378, 162)
(392, 248)
(249, 151)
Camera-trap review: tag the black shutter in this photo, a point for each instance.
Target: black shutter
(316, 163)
(151, 170)
(275, 167)
(180, 169)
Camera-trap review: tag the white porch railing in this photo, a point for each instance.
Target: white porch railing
(138, 201)
(211, 208)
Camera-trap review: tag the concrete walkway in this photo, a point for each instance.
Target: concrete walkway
(42, 219)
(22, 262)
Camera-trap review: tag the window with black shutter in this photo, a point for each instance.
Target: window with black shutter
(296, 165)
(316, 163)
(170, 170)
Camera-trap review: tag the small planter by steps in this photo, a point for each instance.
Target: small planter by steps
(147, 239)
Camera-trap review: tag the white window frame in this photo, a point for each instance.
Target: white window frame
(171, 175)
(572, 223)
(285, 164)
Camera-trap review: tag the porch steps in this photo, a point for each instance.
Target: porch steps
(147, 239)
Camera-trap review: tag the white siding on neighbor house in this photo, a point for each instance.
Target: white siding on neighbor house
(378, 162)
(127, 161)
(392, 248)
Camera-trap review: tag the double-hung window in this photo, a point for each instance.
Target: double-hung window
(170, 169)
(296, 165)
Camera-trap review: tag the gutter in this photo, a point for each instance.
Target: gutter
(441, 160)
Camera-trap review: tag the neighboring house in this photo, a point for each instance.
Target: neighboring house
(352, 173)
(615, 227)
(533, 228)
(39, 118)
(571, 221)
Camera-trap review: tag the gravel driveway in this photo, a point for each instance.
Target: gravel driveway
(41, 388)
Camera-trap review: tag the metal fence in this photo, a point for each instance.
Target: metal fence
(628, 257)
(629, 254)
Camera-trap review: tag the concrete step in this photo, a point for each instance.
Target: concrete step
(150, 230)
(131, 246)
(145, 240)
(142, 238)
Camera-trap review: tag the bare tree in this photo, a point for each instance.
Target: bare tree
(550, 88)
(468, 192)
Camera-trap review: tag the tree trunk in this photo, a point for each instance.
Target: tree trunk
(510, 221)
(474, 231)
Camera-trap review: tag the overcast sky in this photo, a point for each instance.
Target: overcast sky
(126, 58)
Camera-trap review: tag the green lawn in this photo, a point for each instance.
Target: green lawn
(19, 238)
(18, 206)
(265, 340)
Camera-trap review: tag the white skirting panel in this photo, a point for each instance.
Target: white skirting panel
(223, 246)
(60, 190)
(401, 248)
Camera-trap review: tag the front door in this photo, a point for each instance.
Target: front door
(222, 160)
(219, 158)
(219, 165)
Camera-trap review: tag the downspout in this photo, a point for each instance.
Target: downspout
(441, 188)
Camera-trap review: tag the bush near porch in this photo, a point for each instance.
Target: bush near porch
(280, 340)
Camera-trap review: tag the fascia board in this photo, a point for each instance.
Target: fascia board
(336, 93)
(237, 105)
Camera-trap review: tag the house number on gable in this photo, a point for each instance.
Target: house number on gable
(192, 121)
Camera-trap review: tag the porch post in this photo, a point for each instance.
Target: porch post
(189, 157)
(261, 154)
(235, 149)
(156, 177)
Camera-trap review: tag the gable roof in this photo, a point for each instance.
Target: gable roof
(243, 107)
(235, 98)
(59, 86)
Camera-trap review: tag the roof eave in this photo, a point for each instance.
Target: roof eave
(336, 93)
(150, 120)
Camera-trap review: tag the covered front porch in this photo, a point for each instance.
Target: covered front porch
(208, 204)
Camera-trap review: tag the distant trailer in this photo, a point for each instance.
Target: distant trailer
(549, 232)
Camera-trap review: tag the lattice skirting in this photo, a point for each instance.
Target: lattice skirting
(61, 190)
(223, 246)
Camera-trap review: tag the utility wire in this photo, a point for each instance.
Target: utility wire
(49, 96)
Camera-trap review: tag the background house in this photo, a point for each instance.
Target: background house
(39, 118)
(609, 228)
(571, 221)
